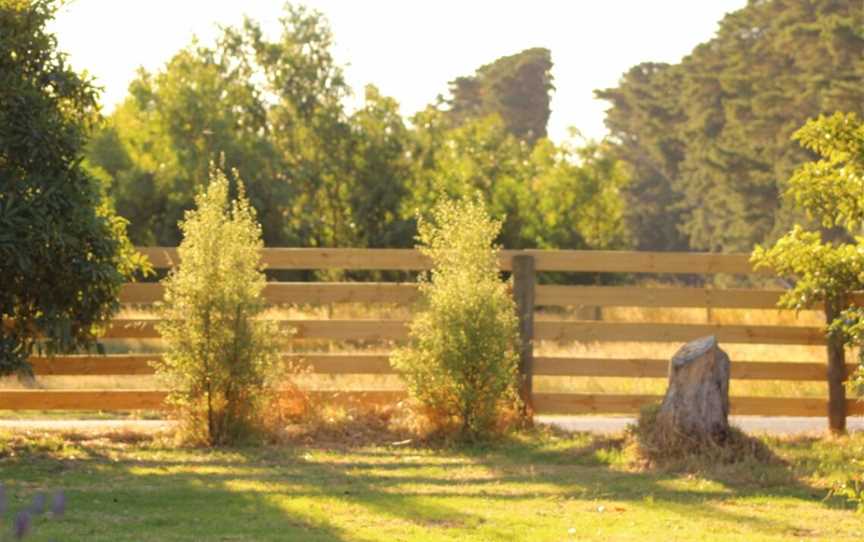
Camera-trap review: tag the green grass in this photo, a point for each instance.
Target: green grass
(535, 487)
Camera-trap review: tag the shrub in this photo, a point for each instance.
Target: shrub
(64, 253)
(827, 265)
(461, 362)
(221, 361)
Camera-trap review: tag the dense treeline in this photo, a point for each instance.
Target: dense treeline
(697, 159)
(709, 139)
(321, 175)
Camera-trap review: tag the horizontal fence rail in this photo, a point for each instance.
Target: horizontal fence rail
(299, 293)
(568, 403)
(395, 259)
(546, 295)
(550, 330)
(141, 364)
(649, 332)
(533, 328)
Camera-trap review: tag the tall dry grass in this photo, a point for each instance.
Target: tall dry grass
(611, 350)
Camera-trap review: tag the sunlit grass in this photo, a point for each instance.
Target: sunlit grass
(542, 486)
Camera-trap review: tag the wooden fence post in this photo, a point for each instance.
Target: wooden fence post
(836, 372)
(524, 279)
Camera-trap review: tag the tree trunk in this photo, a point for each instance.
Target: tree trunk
(697, 400)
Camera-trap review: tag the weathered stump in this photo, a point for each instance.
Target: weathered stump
(696, 404)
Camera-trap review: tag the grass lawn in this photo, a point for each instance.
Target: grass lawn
(537, 487)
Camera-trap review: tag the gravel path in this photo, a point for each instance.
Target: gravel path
(595, 424)
(774, 425)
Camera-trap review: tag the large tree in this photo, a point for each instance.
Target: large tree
(275, 111)
(321, 174)
(548, 195)
(158, 145)
(516, 87)
(709, 138)
(644, 120)
(479, 156)
(63, 253)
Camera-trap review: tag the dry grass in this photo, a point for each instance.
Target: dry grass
(737, 352)
(764, 317)
(651, 446)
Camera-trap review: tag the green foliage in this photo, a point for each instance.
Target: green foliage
(851, 489)
(157, 145)
(63, 251)
(822, 271)
(275, 110)
(832, 189)
(576, 194)
(708, 138)
(516, 87)
(552, 196)
(319, 174)
(829, 190)
(491, 140)
(461, 364)
(480, 156)
(644, 120)
(221, 360)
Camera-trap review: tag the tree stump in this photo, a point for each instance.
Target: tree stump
(696, 404)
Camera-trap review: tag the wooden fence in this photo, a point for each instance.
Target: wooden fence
(524, 265)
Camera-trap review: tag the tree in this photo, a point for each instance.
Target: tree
(274, 110)
(826, 265)
(461, 364)
(708, 139)
(516, 87)
(382, 169)
(478, 157)
(221, 360)
(577, 197)
(157, 146)
(551, 196)
(63, 251)
(321, 175)
(643, 122)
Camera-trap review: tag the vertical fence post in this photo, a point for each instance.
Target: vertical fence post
(836, 372)
(524, 279)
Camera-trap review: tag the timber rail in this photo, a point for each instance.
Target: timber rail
(524, 266)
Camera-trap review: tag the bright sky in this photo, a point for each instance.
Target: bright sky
(411, 49)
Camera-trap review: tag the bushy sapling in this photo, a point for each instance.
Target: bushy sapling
(222, 361)
(825, 266)
(461, 362)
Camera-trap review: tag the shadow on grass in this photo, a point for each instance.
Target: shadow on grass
(113, 494)
(122, 486)
(258, 493)
(598, 467)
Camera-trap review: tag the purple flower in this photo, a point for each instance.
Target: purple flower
(58, 503)
(38, 506)
(22, 525)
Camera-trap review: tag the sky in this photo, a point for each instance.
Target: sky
(407, 48)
